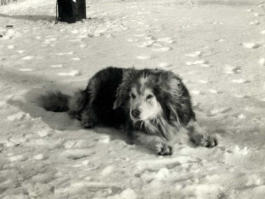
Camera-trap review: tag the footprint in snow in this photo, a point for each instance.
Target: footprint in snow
(70, 73)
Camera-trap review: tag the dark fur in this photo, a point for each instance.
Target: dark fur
(105, 102)
(55, 101)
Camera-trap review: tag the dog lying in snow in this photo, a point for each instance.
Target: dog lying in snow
(151, 105)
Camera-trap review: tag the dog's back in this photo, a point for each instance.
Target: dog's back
(101, 91)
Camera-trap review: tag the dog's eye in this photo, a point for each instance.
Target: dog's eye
(133, 96)
(149, 97)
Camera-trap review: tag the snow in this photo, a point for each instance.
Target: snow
(56, 66)
(194, 54)
(39, 157)
(232, 69)
(70, 73)
(216, 46)
(261, 61)
(143, 57)
(107, 171)
(197, 62)
(126, 194)
(251, 45)
(164, 65)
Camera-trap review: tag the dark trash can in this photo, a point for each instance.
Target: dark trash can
(71, 10)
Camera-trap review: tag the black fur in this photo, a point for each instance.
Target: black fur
(54, 101)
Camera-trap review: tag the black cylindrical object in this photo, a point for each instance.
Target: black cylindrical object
(71, 10)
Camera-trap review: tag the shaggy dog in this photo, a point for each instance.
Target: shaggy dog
(151, 105)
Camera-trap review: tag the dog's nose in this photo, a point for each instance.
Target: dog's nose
(136, 113)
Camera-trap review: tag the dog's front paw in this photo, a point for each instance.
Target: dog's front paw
(163, 149)
(204, 140)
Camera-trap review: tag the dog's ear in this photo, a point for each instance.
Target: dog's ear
(171, 91)
(122, 93)
(170, 84)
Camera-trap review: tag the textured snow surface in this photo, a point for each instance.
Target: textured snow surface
(217, 47)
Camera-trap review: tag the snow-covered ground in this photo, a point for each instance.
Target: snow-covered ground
(217, 46)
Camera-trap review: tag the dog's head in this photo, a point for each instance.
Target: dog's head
(143, 104)
(148, 94)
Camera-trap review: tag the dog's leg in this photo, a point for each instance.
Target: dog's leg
(80, 108)
(129, 133)
(88, 117)
(199, 137)
(77, 103)
(153, 142)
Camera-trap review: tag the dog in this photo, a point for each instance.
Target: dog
(151, 105)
